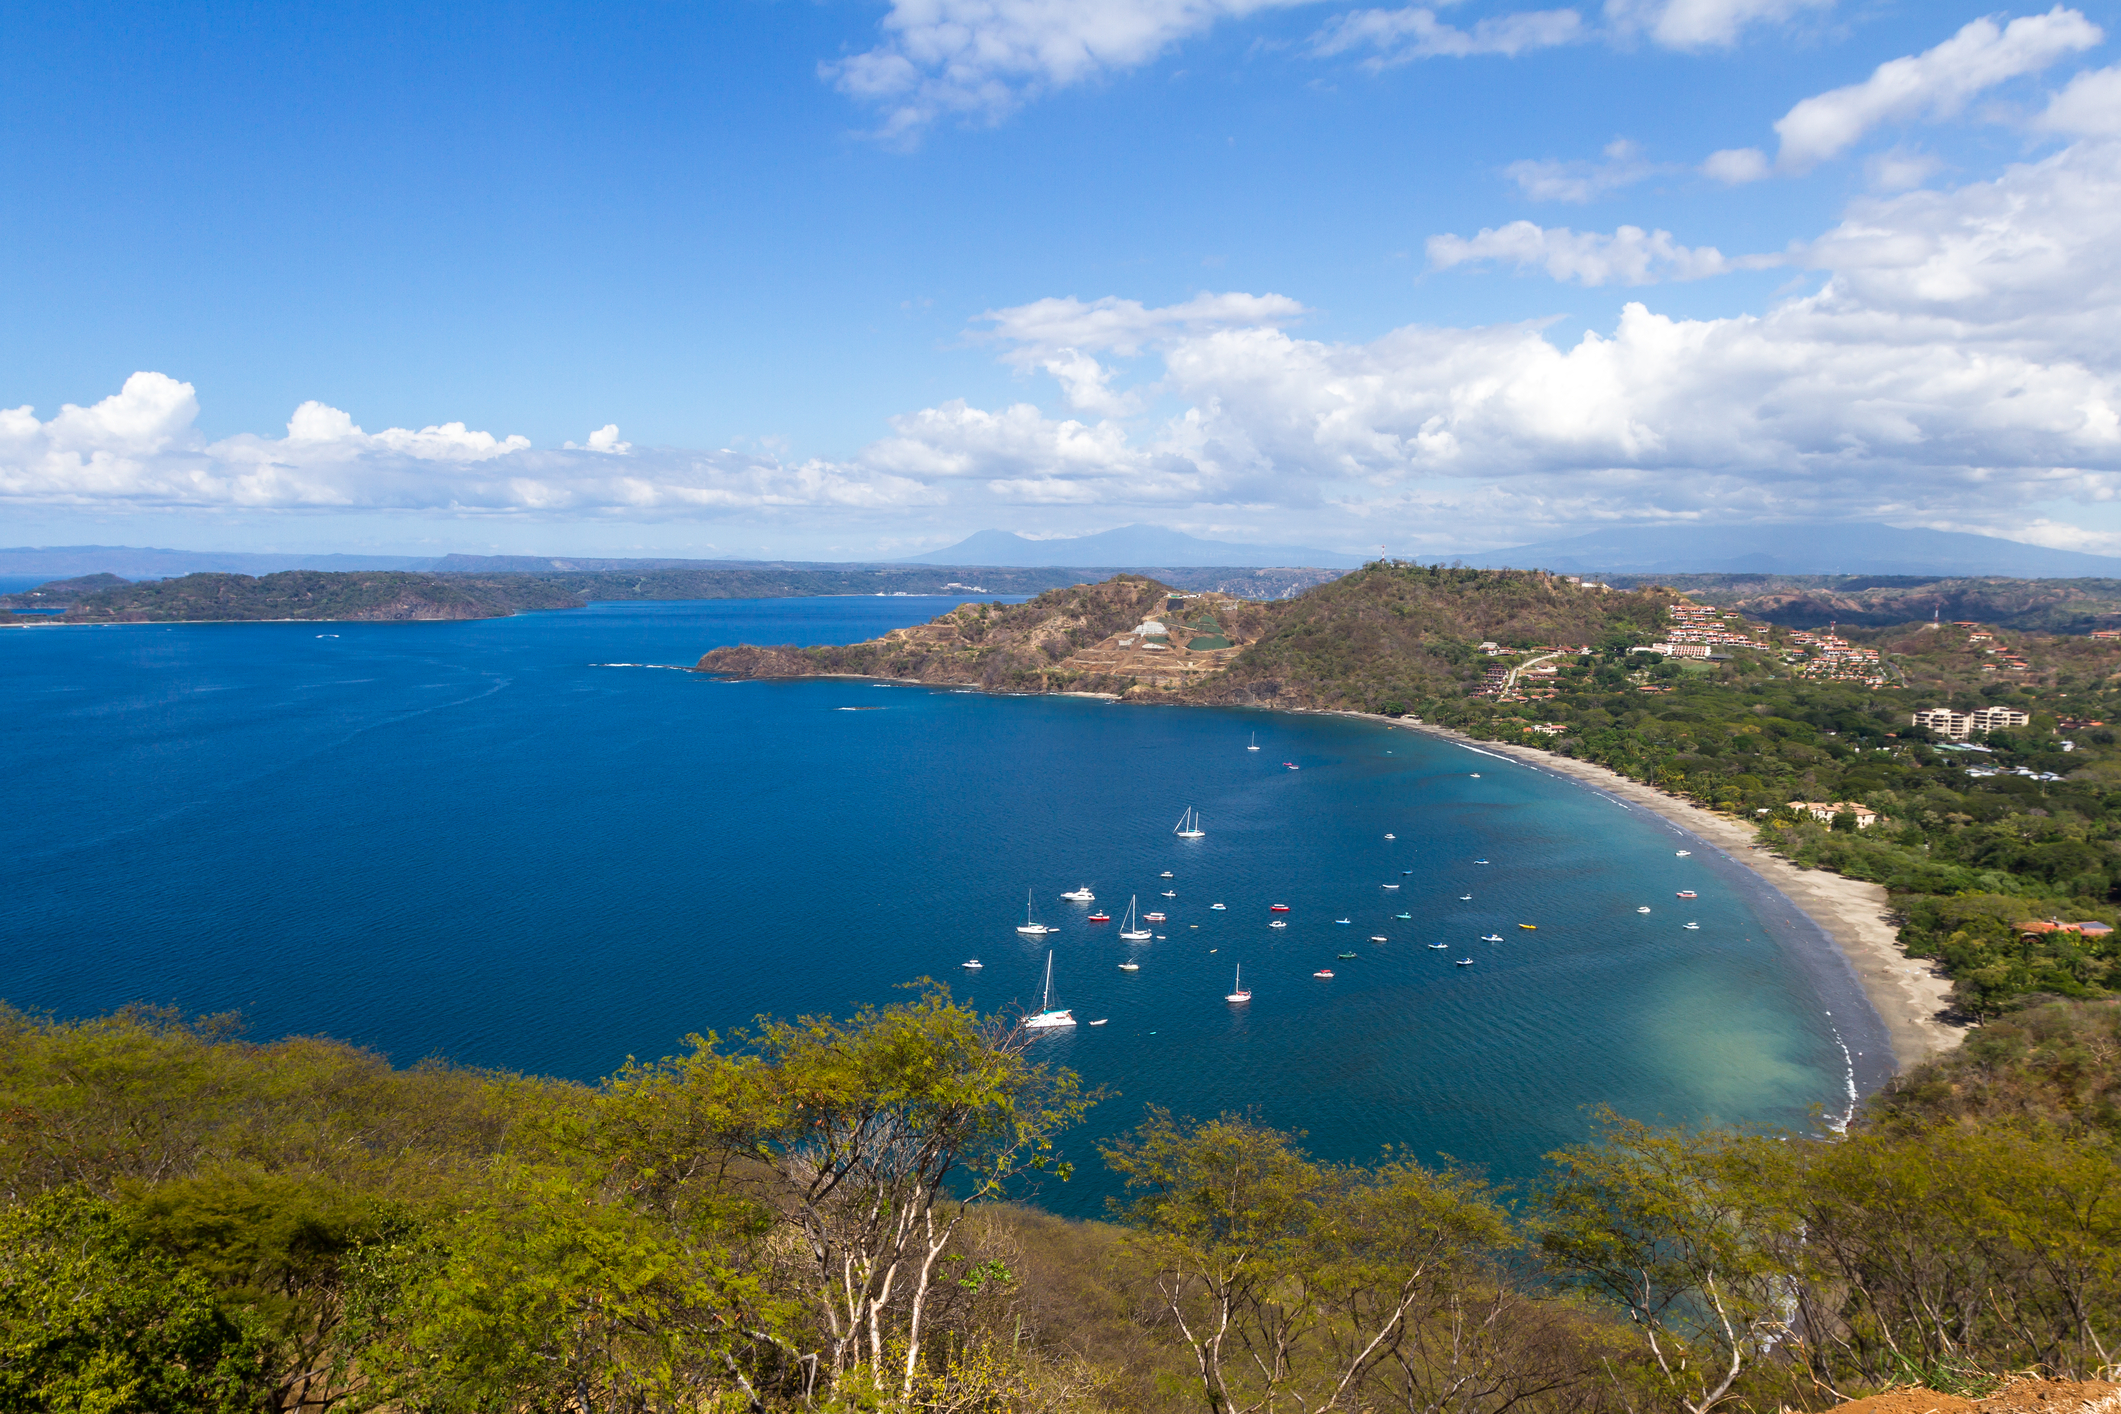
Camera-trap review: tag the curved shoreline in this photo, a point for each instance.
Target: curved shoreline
(1908, 995)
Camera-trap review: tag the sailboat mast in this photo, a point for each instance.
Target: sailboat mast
(1046, 1000)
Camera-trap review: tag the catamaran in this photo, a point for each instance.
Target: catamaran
(1188, 827)
(1132, 931)
(1032, 928)
(1048, 1016)
(1237, 987)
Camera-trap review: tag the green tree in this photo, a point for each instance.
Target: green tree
(95, 1321)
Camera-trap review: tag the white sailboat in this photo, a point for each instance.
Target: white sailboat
(1048, 1016)
(1237, 987)
(1032, 928)
(1188, 827)
(1130, 929)
(1255, 742)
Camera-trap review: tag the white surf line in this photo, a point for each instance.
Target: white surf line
(1848, 1114)
(1495, 755)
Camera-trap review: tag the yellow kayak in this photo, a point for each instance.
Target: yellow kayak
(1534, 927)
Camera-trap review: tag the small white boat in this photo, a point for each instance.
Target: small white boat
(1480, 861)
(1101, 1021)
(1132, 931)
(1081, 895)
(1340, 920)
(1130, 966)
(1685, 853)
(1491, 937)
(972, 964)
(1165, 875)
(1476, 775)
(1032, 928)
(1253, 747)
(1049, 1017)
(1693, 927)
(1464, 962)
(1388, 886)
(1379, 938)
(1325, 972)
(1277, 923)
(1390, 836)
(1438, 947)
(1465, 898)
(1170, 893)
(1237, 987)
(1644, 909)
(1188, 827)
(1216, 907)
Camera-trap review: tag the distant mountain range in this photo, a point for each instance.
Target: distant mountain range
(133, 562)
(1834, 548)
(1129, 547)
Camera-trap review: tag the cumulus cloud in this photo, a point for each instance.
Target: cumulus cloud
(2090, 106)
(1735, 166)
(1547, 180)
(604, 439)
(982, 59)
(1630, 256)
(1037, 330)
(139, 448)
(1699, 24)
(1932, 85)
(1402, 36)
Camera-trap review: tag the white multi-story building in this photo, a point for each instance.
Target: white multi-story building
(1961, 725)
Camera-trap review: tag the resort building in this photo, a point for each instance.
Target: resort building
(1828, 809)
(1960, 725)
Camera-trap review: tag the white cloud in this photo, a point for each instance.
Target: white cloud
(1934, 84)
(1548, 180)
(1630, 256)
(2090, 106)
(604, 439)
(1735, 166)
(1700, 24)
(981, 59)
(1044, 328)
(138, 449)
(1402, 36)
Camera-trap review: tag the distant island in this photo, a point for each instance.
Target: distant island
(1990, 833)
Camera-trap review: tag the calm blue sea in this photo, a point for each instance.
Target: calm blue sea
(516, 843)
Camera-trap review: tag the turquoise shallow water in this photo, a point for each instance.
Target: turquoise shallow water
(481, 841)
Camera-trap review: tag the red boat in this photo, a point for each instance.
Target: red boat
(1278, 908)
(1323, 972)
(1100, 917)
(1153, 917)
(1688, 893)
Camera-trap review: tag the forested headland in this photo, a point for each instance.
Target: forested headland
(831, 1214)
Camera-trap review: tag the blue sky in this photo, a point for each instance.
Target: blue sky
(832, 271)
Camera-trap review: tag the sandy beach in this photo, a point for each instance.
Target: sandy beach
(1908, 994)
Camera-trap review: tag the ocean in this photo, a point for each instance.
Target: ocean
(527, 843)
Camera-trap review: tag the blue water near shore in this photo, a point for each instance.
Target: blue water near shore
(485, 841)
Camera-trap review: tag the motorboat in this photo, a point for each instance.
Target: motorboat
(1344, 956)
(1465, 898)
(1130, 965)
(1237, 987)
(1379, 938)
(1464, 962)
(1644, 909)
(1688, 893)
(1406, 871)
(1049, 1017)
(1438, 947)
(972, 964)
(1100, 917)
(1475, 775)
(1684, 853)
(1277, 923)
(1277, 908)
(1480, 861)
(1693, 927)
(1325, 972)
(1165, 875)
(1340, 920)
(1101, 1021)
(1032, 928)
(1388, 886)
(1491, 937)
(1215, 907)
(1081, 895)
(1408, 916)
(1170, 893)
(1153, 918)
(1390, 836)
